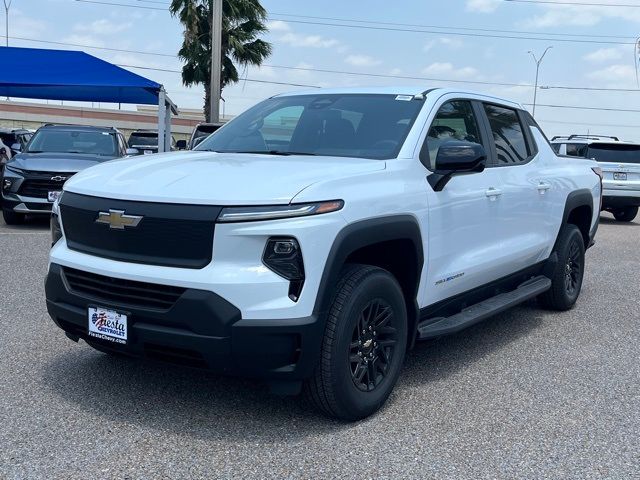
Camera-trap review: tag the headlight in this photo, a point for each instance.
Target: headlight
(256, 213)
(6, 184)
(13, 169)
(56, 231)
(284, 256)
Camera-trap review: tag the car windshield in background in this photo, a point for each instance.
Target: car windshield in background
(149, 140)
(73, 141)
(346, 125)
(614, 152)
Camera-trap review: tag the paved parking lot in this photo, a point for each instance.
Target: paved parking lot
(529, 394)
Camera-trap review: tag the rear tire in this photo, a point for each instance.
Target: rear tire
(626, 214)
(567, 278)
(363, 347)
(13, 218)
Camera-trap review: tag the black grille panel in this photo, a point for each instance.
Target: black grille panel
(39, 184)
(117, 291)
(171, 235)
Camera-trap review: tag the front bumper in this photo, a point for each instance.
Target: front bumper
(26, 205)
(201, 329)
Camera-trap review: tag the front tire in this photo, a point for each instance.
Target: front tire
(363, 347)
(566, 282)
(12, 218)
(626, 214)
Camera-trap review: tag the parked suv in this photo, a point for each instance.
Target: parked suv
(33, 179)
(620, 164)
(317, 236)
(146, 141)
(202, 131)
(15, 138)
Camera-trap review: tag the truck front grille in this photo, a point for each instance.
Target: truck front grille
(172, 235)
(39, 184)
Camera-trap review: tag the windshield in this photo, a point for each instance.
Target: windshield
(143, 140)
(73, 141)
(350, 125)
(614, 152)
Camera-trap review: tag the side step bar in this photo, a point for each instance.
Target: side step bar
(435, 327)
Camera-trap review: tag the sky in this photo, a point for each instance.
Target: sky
(378, 42)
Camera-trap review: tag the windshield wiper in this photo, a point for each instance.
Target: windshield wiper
(277, 152)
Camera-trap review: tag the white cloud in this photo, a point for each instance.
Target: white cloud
(448, 69)
(484, 6)
(313, 41)
(102, 27)
(449, 42)
(362, 61)
(615, 74)
(85, 40)
(580, 14)
(604, 55)
(278, 26)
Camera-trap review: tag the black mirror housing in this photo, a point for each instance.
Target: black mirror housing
(454, 158)
(181, 144)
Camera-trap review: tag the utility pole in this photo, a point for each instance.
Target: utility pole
(7, 6)
(538, 62)
(216, 59)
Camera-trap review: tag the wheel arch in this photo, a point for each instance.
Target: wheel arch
(578, 211)
(393, 243)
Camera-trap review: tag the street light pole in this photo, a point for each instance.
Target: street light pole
(7, 6)
(216, 60)
(538, 62)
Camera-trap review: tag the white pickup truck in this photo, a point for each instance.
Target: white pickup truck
(313, 239)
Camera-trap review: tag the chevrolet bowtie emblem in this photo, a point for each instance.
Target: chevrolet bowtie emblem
(116, 219)
(58, 178)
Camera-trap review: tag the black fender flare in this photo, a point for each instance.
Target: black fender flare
(365, 233)
(575, 199)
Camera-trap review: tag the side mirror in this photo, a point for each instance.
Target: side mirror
(454, 158)
(181, 144)
(16, 147)
(132, 151)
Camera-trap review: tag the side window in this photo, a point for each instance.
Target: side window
(455, 121)
(508, 134)
(556, 147)
(577, 150)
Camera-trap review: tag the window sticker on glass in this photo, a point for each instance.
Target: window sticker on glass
(404, 98)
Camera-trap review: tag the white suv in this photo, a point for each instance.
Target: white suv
(313, 239)
(620, 164)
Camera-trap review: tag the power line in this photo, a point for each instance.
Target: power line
(582, 4)
(575, 107)
(526, 32)
(344, 72)
(242, 80)
(411, 30)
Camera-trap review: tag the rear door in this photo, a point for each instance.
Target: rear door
(525, 221)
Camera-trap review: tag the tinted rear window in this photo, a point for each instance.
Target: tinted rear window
(613, 152)
(143, 139)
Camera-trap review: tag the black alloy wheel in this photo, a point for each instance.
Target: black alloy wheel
(372, 345)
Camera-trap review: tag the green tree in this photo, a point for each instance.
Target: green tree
(242, 22)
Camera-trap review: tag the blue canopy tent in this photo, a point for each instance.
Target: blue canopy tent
(78, 76)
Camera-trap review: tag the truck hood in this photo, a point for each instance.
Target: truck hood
(55, 162)
(214, 178)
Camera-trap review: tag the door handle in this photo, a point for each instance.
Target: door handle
(493, 193)
(543, 187)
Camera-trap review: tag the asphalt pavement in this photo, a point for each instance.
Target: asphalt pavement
(527, 394)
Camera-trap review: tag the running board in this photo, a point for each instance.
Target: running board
(435, 327)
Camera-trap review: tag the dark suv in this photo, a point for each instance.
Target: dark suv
(33, 179)
(146, 141)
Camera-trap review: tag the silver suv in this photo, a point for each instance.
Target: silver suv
(620, 164)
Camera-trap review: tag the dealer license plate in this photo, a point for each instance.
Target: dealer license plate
(107, 324)
(619, 176)
(53, 196)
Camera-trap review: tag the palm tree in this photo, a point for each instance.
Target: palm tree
(242, 22)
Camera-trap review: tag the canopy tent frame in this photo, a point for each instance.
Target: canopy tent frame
(77, 76)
